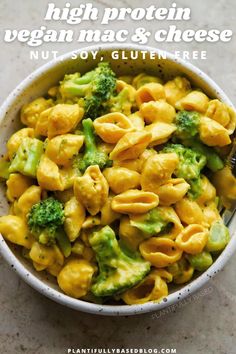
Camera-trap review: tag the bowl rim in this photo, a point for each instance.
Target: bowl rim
(112, 310)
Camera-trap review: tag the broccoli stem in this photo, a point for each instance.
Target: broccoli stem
(63, 242)
(86, 78)
(27, 157)
(90, 143)
(74, 89)
(34, 156)
(91, 156)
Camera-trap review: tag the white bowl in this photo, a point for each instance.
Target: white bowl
(37, 84)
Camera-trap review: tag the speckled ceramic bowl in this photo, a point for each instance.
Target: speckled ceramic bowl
(37, 84)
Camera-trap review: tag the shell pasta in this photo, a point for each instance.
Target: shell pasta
(116, 184)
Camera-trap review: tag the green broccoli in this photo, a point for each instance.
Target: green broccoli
(91, 156)
(195, 187)
(190, 162)
(200, 261)
(27, 157)
(150, 223)
(122, 102)
(117, 270)
(190, 165)
(4, 169)
(45, 221)
(214, 162)
(218, 238)
(95, 87)
(187, 123)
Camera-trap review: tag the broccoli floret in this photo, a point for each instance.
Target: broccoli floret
(219, 237)
(45, 221)
(91, 156)
(117, 270)
(190, 165)
(27, 157)
(200, 261)
(45, 218)
(190, 162)
(187, 123)
(122, 102)
(95, 87)
(195, 188)
(214, 162)
(150, 223)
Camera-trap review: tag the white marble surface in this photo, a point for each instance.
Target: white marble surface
(30, 323)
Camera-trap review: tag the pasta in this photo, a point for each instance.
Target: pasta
(42, 123)
(44, 257)
(62, 148)
(67, 176)
(194, 101)
(157, 169)
(160, 251)
(115, 185)
(192, 239)
(75, 277)
(150, 92)
(173, 190)
(120, 179)
(31, 196)
(92, 189)
(14, 229)
(152, 288)
(213, 133)
(161, 132)
(225, 184)
(157, 111)
(112, 127)
(107, 214)
(134, 201)
(91, 221)
(48, 175)
(137, 120)
(74, 218)
(211, 213)
(16, 139)
(176, 89)
(60, 119)
(30, 112)
(17, 185)
(164, 274)
(131, 145)
(190, 212)
(222, 114)
(208, 193)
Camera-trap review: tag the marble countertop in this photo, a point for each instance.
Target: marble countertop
(29, 322)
